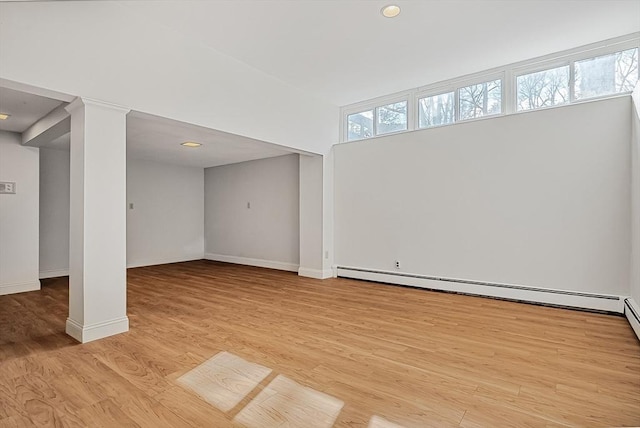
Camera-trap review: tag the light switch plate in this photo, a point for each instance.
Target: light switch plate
(7, 187)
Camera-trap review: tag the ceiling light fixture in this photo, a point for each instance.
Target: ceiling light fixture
(190, 144)
(4, 116)
(390, 11)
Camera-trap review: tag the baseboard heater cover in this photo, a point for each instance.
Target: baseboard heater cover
(633, 316)
(573, 299)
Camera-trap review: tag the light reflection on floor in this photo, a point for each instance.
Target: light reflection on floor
(378, 422)
(225, 379)
(285, 402)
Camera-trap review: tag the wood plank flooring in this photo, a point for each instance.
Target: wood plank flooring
(411, 357)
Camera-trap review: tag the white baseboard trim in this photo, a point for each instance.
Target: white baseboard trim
(291, 267)
(88, 333)
(19, 287)
(575, 299)
(632, 312)
(316, 273)
(162, 261)
(54, 273)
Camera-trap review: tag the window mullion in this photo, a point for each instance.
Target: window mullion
(572, 81)
(456, 105)
(508, 92)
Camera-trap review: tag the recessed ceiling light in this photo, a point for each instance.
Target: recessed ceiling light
(191, 144)
(4, 116)
(390, 11)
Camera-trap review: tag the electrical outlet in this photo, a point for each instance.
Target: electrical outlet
(7, 187)
(397, 264)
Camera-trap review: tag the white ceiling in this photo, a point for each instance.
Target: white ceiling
(25, 109)
(148, 137)
(344, 51)
(158, 139)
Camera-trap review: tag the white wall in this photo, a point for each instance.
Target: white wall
(54, 213)
(166, 223)
(267, 233)
(535, 199)
(635, 196)
(106, 51)
(18, 216)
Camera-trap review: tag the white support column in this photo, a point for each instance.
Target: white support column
(97, 241)
(315, 217)
(328, 256)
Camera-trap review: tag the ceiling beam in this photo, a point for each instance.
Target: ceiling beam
(53, 125)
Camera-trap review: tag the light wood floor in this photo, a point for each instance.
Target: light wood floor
(413, 357)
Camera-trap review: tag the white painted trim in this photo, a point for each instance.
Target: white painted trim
(316, 273)
(156, 262)
(602, 302)
(380, 102)
(55, 124)
(54, 273)
(23, 87)
(83, 101)
(635, 322)
(88, 333)
(271, 264)
(19, 287)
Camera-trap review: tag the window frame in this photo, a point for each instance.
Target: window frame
(433, 93)
(549, 65)
(478, 81)
(373, 105)
(373, 124)
(508, 75)
(375, 118)
(618, 49)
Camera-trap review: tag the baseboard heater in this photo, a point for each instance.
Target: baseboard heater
(633, 316)
(546, 296)
(630, 308)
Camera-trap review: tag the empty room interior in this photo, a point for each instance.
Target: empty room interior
(273, 213)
